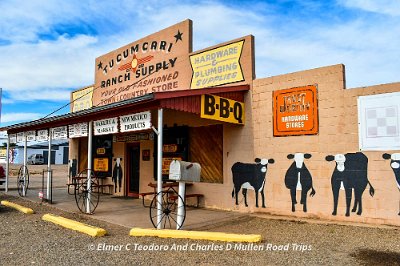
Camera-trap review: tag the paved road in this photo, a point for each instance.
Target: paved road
(27, 240)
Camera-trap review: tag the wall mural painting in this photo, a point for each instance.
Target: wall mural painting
(350, 173)
(117, 174)
(250, 176)
(299, 178)
(73, 167)
(395, 164)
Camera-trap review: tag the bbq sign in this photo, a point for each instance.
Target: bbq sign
(222, 109)
(296, 111)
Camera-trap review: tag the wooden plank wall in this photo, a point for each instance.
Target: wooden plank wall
(206, 147)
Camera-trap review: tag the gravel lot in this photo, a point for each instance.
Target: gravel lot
(26, 240)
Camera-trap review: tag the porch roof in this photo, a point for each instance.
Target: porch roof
(182, 100)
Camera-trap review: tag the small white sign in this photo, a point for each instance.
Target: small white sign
(78, 130)
(105, 126)
(42, 135)
(135, 122)
(59, 133)
(20, 137)
(379, 122)
(13, 138)
(30, 135)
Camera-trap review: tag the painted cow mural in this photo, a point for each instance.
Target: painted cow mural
(395, 164)
(250, 176)
(351, 172)
(117, 174)
(298, 177)
(72, 168)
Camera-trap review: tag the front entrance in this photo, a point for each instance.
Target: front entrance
(133, 169)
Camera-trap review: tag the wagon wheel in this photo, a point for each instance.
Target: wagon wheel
(85, 195)
(170, 200)
(23, 180)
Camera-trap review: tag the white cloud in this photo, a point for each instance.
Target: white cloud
(19, 117)
(34, 69)
(388, 7)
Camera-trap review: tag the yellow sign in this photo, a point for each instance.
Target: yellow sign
(101, 164)
(222, 109)
(217, 66)
(82, 99)
(3, 152)
(101, 151)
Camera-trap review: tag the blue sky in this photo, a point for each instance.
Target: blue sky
(48, 47)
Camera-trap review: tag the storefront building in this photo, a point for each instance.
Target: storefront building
(291, 145)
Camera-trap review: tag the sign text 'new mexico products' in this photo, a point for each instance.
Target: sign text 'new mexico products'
(217, 66)
(222, 109)
(135, 122)
(105, 126)
(158, 62)
(296, 111)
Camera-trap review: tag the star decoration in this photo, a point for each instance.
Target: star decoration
(100, 66)
(178, 36)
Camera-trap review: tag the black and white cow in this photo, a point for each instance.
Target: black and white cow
(351, 173)
(395, 164)
(72, 168)
(117, 174)
(250, 176)
(298, 177)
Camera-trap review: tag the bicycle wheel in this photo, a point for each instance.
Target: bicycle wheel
(173, 210)
(23, 180)
(87, 194)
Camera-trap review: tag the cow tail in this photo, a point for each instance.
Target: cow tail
(233, 192)
(371, 189)
(312, 192)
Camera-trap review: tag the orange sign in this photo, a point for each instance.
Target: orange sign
(296, 111)
(101, 164)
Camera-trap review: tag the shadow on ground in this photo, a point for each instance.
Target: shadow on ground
(376, 257)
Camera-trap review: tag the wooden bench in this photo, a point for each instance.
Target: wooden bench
(197, 196)
(109, 186)
(100, 186)
(144, 194)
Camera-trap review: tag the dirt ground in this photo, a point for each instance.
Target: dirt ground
(27, 240)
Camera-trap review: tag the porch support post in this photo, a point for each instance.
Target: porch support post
(25, 160)
(89, 172)
(7, 162)
(159, 166)
(49, 166)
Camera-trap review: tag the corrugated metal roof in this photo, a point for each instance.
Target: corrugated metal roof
(182, 100)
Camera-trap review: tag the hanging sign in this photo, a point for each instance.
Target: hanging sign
(78, 130)
(42, 134)
(222, 109)
(135, 122)
(30, 135)
(105, 126)
(20, 137)
(133, 137)
(296, 111)
(13, 138)
(59, 133)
